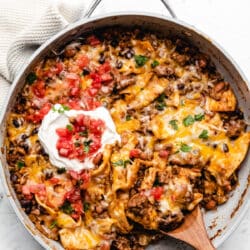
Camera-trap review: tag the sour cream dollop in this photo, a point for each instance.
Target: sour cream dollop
(54, 120)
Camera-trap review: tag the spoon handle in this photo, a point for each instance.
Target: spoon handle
(193, 231)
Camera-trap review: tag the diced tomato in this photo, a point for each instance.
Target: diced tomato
(75, 91)
(82, 61)
(73, 195)
(92, 91)
(73, 104)
(54, 180)
(75, 175)
(91, 103)
(135, 153)
(59, 68)
(157, 192)
(72, 79)
(78, 208)
(45, 109)
(79, 120)
(96, 80)
(26, 190)
(106, 77)
(39, 189)
(104, 68)
(64, 132)
(64, 152)
(93, 41)
(83, 176)
(37, 116)
(164, 154)
(96, 127)
(38, 88)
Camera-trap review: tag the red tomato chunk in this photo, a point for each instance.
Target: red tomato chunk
(81, 138)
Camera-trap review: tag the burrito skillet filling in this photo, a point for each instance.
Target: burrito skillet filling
(119, 136)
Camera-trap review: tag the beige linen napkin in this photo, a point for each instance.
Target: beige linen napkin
(26, 24)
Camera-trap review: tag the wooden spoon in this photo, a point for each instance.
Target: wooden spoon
(193, 231)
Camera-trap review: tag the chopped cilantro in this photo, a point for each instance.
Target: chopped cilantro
(20, 164)
(61, 109)
(189, 120)
(140, 60)
(87, 146)
(185, 148)
(199, 117)
(53, 224)
(61, 170)
(121, 163)
(67, 208)
(84, 133)
(174, 125)
(31, 77)
(86, 206)
(69, 127)
(128, 117)
(160, 105)
(204, 134)
(154, 63)
(77, 144)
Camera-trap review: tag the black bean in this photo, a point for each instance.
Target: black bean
(26, 147)
(48, 174)
(14, 178)
(24, 137)
(225, 148)
(214, 145)
(42, 152)
(180, 86)
(34, 131)
(129, 54)
(22, 100)
(28, 210)
(25, 203)
(16, 123)
(101, 59)
(119, 64)
(114, 43)
(85, 71)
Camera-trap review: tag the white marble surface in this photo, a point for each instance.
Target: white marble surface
(227, 21)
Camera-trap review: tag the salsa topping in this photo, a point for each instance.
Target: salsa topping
(81, 138)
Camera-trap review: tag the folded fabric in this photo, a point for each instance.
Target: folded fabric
(24, 26)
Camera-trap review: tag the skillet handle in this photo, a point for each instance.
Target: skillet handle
(169, 8)
(95, 3)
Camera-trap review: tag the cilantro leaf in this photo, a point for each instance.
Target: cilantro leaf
(189, 120)
(154, 63)
(86, 146)
(199, 117)
(173, 124)
(67, 208)
(160, 105)
(69, 127)
(86, 206)
(140, 60)
(121, 163)
(20, 164)
(84, 133)
(128, 117)
(185, 148)
(31, 77)
(53, 224)
(204, 134)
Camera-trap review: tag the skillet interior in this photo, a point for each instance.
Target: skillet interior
(167, 27)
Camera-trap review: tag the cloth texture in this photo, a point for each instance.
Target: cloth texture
(24, 26)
